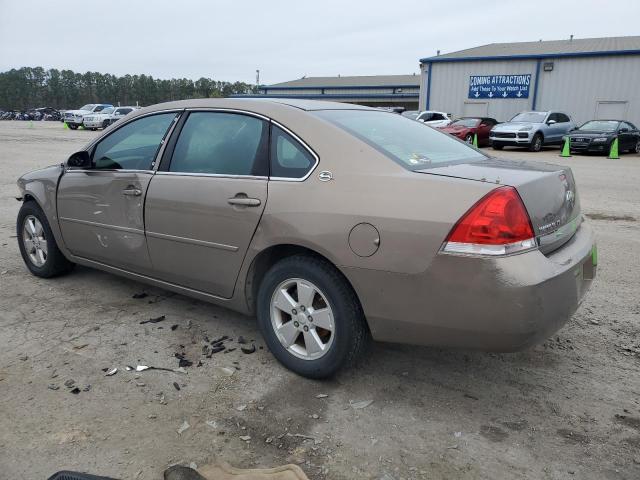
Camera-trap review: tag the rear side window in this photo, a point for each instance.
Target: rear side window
(222, 144)
(562, 118)
(133, 146)
(289, 159)
(437, 116)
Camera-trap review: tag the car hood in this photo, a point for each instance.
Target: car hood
(547, 190)
(591, 134)
(511, 126)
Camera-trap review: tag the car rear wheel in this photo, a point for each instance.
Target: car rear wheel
(105, 124)
(38, 247)
(536, 143)
(310, 317)
(469, 138)
(636, 149)
(71, 126)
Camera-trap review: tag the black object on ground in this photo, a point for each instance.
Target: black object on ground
(67, 475)
(173, 327)
(182, 362)
(153, 320)
(140, 295)
(241, 340)
(75, 391)
(178, 472)
(219, 340)
(248, 350)
(176, 386)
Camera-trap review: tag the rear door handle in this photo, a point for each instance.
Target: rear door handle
(132, 192)
(244, 201)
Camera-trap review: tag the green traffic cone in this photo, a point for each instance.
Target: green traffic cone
(475, 140)
(65, 126)
(613, 152)
(30, 123)
(81, 127)
(566, 149)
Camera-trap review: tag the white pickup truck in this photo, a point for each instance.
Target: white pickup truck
(106, 117)
(74, 118)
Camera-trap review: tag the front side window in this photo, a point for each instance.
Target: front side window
(133, 146)
(412, 144)
(562, 118)
(221, 143)
(289, 159)
(123, 111)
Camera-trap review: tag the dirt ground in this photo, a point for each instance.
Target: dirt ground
(567, 409)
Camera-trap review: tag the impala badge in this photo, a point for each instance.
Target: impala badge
(325, 176)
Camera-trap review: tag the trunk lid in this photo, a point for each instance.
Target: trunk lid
(547, 190)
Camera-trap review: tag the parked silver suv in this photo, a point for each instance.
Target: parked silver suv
(532, 130)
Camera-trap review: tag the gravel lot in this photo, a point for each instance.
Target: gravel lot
(567, 409)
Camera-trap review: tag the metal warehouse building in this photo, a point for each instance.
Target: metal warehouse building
(378, 90)
(586, 78)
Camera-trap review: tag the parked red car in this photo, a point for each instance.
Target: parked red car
(465, 127)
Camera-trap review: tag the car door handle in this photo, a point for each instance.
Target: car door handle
(132, 192)
(244, 201)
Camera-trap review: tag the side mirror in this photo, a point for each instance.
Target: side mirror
(80, 159)
(551, 122)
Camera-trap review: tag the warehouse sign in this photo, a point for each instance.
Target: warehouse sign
(499, 86)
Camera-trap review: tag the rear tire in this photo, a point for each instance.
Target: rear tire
(72, 127)
(37, 244)
(313, 293)
(536, 143)
(469, 139)
(105, 124)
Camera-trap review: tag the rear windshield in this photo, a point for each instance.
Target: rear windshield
(412, 144)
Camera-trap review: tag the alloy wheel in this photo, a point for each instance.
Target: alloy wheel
(638, 147)
(302, 319)
(35, 242)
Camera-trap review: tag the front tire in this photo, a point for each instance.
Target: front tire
(536, 143)
(310, 317)
(469, 139)
(497, 146)
(72, 126)
(37, 244)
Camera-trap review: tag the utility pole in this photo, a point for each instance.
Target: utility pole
(257, 78)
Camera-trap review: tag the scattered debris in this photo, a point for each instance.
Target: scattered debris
(53, 386)
(153, 320)
(245, 438)
(360, 405)
(140, 295)
(86, 388)
(182, 362)
(241, 340)
(229, 350)
(315, 416)
(241, 408)
(80, 347)
(217, 349)
(322, 395)
(226, 371)
(220, 340)
(173, 327)
(176, 386)
(141, 368)
(212, 424)
(75, 391)
(472, 397)
(457, 434)
(69, 383)
(248, 350)
(24, 358)
(184, 427)
(594, 321)
(111, 372)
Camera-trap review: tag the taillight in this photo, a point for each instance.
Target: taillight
(497, 225)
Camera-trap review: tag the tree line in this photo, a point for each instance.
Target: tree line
(32, 87)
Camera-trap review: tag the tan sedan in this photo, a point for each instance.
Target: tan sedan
(332, 223)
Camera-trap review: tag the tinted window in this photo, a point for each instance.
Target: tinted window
(628, 125)
(135, 145)
(289, 159)
(221, 143)
(562, 118)
(412, 144)
(123, 111)
(425, 117)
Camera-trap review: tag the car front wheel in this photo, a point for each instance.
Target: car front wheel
(536, 143)
(310, 317)
(38, 247)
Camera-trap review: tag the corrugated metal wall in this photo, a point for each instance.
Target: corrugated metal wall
(575, 86)
(450, 87)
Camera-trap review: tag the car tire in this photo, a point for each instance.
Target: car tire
(497, 146)
(71, 126)
(536, 143)
(105, 124)
(300, 344)
(469, 139)
(41, 254)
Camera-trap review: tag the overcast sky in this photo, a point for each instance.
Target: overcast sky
(229, 40)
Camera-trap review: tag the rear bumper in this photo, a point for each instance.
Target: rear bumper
(495, 304)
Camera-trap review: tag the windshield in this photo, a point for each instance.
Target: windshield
(107, 110)
(413, 114)
(530, 117)
(600, 125)
(412, 144)
(89, 106)
(466, 122)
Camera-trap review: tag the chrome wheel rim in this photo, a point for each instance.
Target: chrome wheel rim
(34, 240)
(302, 319)
(469, 139)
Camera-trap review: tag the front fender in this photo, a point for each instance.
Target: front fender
(41, 186)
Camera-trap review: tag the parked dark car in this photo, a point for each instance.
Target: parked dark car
(465, 128)
(598, 135)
